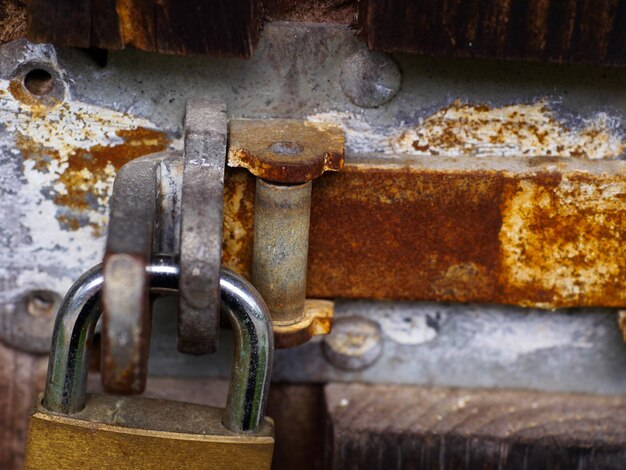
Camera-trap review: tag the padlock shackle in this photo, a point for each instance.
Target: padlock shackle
(76, 320)
(250, 378)
(66, 382)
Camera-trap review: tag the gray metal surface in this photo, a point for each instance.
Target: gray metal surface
(281, 245)
(248, 315)
(202, 204)
(126, 290)
(449, 345)
(370, 79)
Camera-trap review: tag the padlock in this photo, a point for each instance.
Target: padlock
(69, 429)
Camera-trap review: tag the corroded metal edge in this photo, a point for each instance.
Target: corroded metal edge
(285, 150)
(317, 320)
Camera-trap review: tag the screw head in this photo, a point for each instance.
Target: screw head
(369, 79)
(354, 343)
(41, 303)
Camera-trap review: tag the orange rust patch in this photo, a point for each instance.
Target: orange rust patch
(563, 240)
(21, 94)
(405, 234)
(88, 169)
(239, 186)
(252, 145)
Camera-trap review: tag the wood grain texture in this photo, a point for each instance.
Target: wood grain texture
(22, 377)
(586, 31)
(311, 11)
(61, 22)
(220, 27)
(12, 20)
(402, 427)
(297, 411)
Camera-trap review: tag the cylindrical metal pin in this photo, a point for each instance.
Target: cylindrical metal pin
(281, 245)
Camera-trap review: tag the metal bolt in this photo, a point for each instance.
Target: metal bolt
(41, 303)
(281, 247)
(354, 343)
(369, 79)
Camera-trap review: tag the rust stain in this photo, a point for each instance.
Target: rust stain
(87, 177)
(544, 237)
(386, 234)
(238, 228)
(16, 88)
(536, 238)
(135, 27)
(317, 320)
(514, 130)
(563, 240)
(252, 145)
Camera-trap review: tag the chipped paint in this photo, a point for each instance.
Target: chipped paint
(412, 329)
(478, 130)
(582, 221)
(531, 130)
(58, 165)
(79, 147)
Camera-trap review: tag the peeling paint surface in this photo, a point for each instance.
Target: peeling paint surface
(530, 130)
(478, 130)
(57, 169)
(582, 221)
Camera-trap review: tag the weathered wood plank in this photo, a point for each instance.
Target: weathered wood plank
(402, 427)
(22, 377)
(588, 31)
(12, 20)
(221, 27)
(105, 27)
(61, 22)
(311, 11)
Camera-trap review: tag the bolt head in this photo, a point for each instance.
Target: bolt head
(354, 343)
(370, 79)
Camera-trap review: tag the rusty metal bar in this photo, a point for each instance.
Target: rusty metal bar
(543, 232)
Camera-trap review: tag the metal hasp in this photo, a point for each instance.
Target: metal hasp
(202, 203)
(286, 155)
(126, 290)
(245, 309)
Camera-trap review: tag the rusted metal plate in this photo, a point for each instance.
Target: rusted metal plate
(285, 151)
(561, 31)
(394, 426)
(499, 200)
(544, 232)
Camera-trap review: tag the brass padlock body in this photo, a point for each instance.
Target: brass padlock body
(135, 432)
